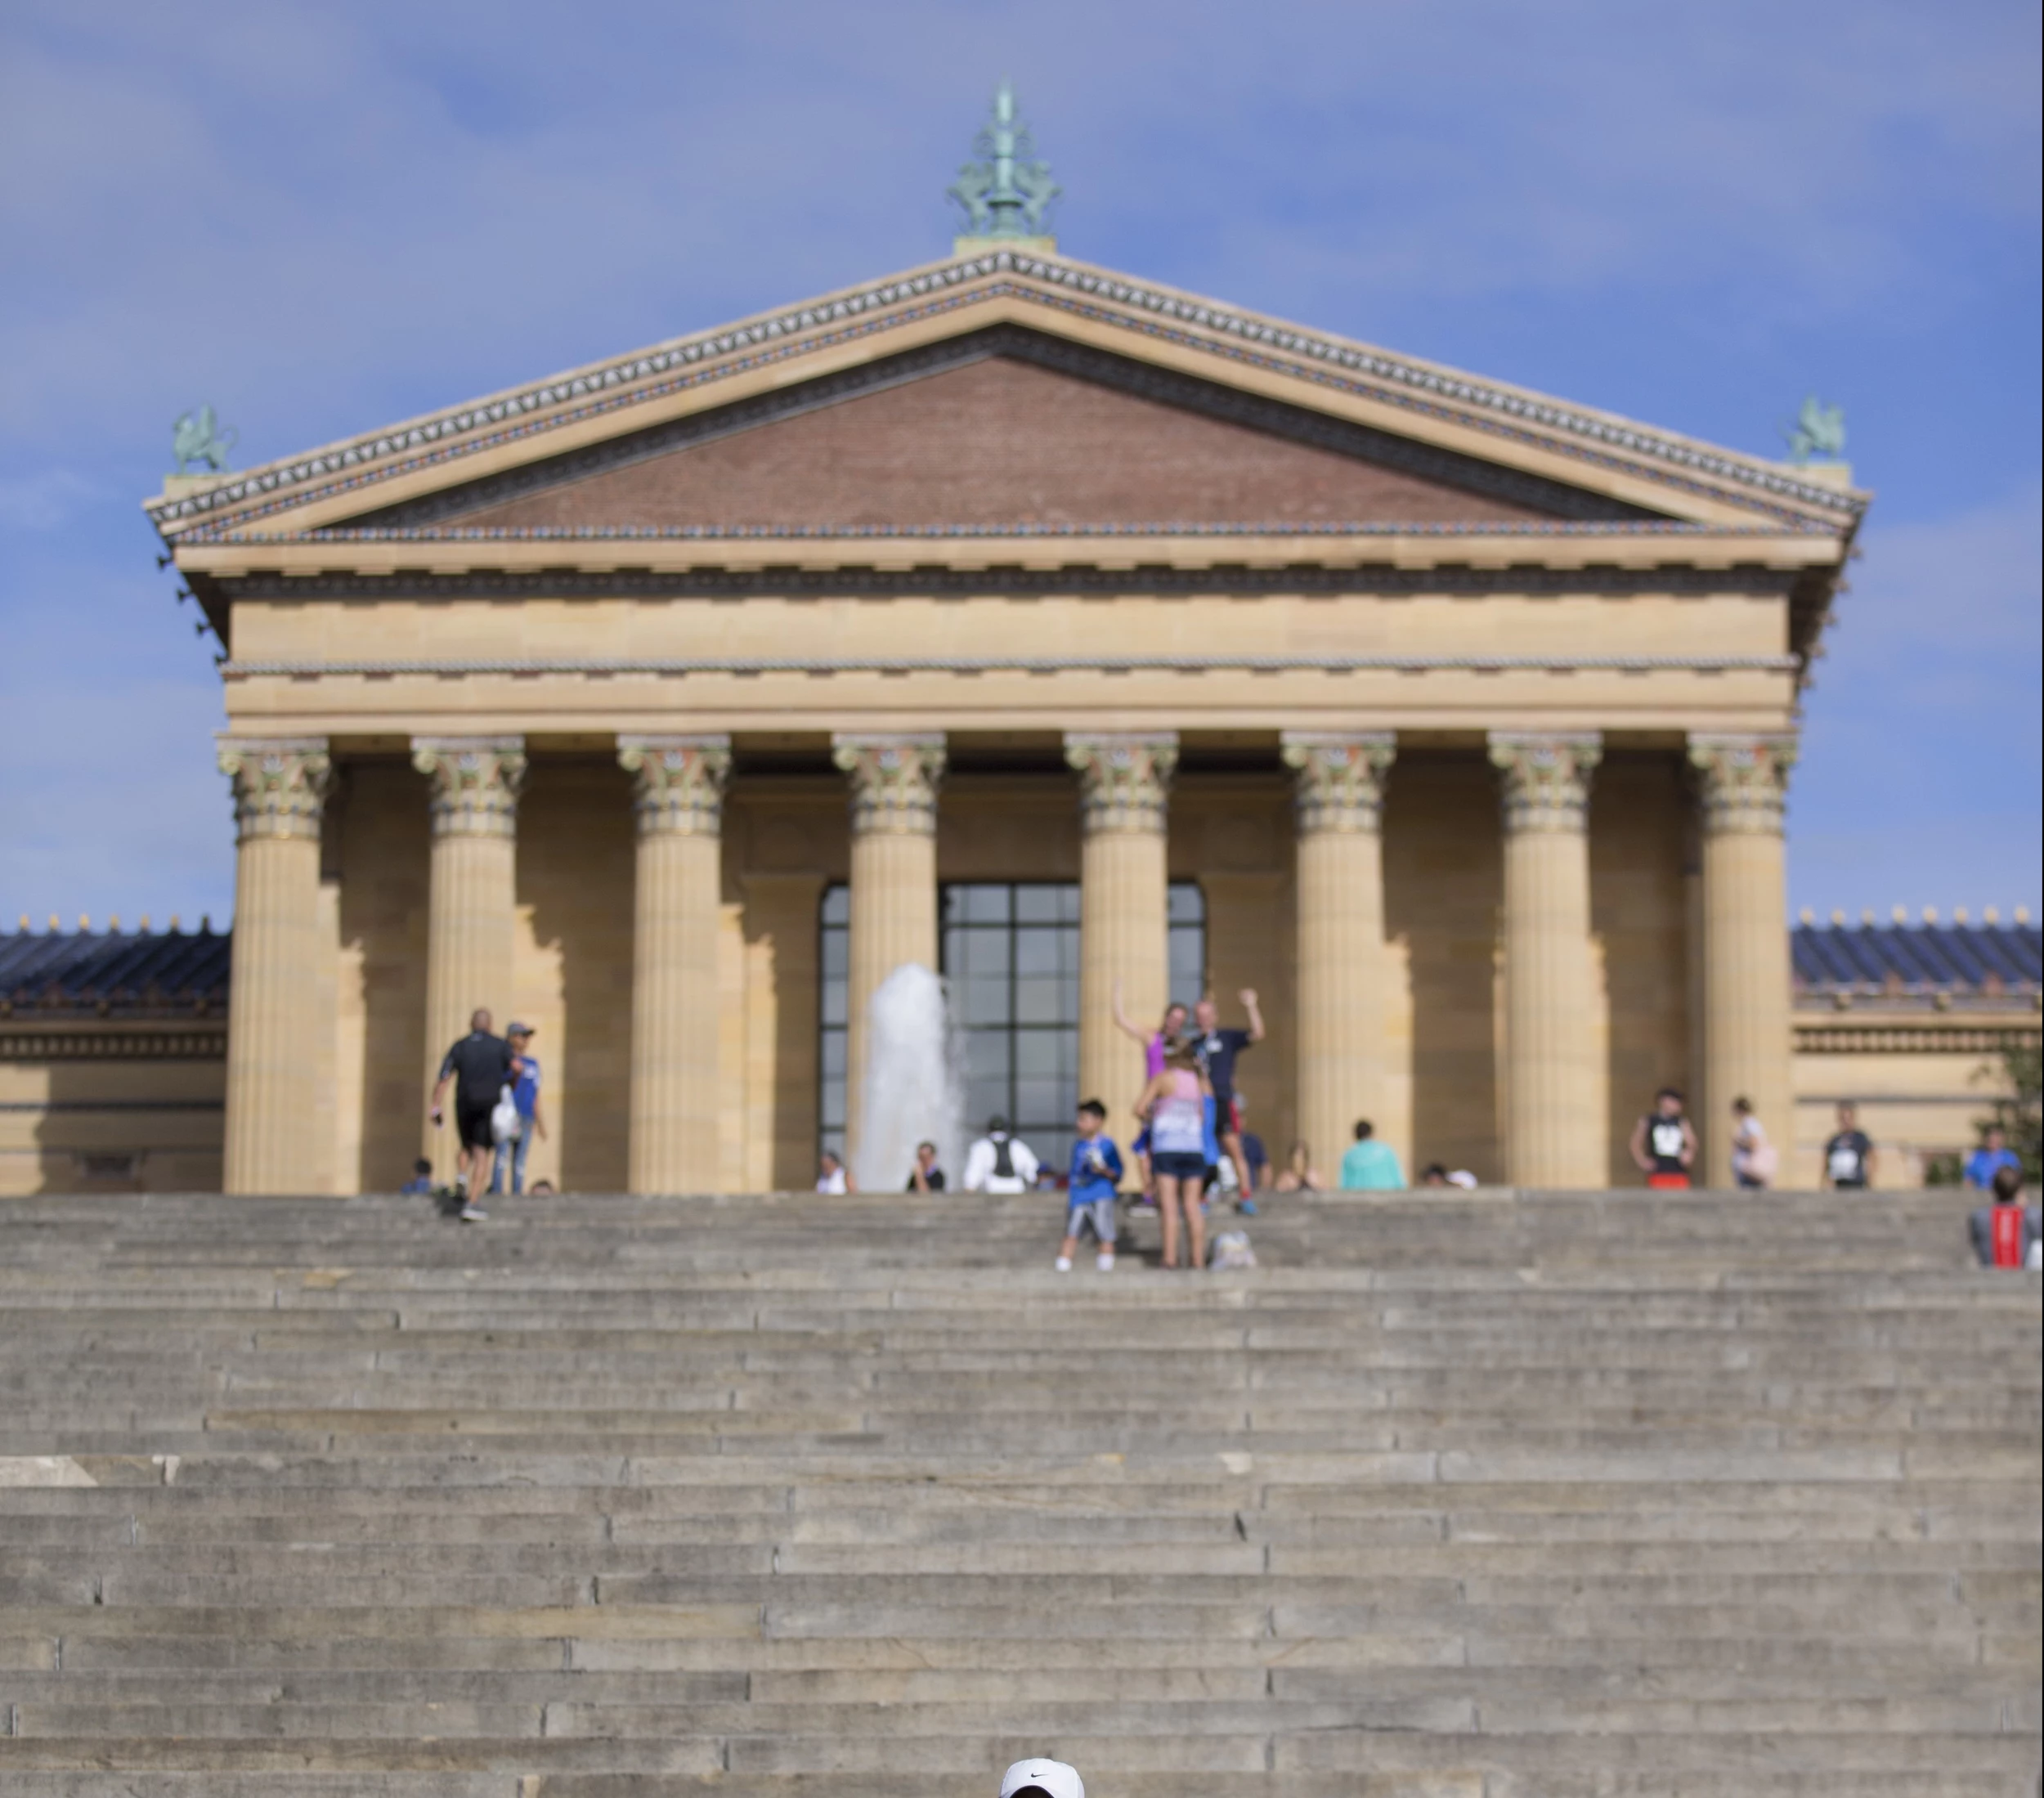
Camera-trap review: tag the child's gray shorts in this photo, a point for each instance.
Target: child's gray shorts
(1095, 1214)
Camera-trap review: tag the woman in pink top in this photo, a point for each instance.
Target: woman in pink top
(1174, 1106)
(1153, 1048)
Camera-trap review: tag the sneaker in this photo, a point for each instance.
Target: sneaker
(1104, 1263)
(474, 1214)
(1247, 1208)
(1065, 1264)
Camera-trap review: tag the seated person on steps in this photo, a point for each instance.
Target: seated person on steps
(999, 1162)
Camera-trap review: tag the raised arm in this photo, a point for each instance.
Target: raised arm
(1248, 996)
(1121, 1023)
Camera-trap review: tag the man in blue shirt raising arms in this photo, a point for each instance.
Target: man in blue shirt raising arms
(1097, 1174)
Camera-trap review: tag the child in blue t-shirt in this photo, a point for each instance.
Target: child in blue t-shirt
(1096, 1172)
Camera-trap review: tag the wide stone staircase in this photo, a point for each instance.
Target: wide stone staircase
(1482, 1495)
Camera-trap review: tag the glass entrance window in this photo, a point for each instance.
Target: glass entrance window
(1010, 959)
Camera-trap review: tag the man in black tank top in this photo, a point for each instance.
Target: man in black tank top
(1663, 1144)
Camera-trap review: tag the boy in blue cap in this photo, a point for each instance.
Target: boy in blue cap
(1097, 1174)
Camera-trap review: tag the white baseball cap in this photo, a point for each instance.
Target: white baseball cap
(1052, 1776)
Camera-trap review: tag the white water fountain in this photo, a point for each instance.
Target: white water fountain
(914, 1085)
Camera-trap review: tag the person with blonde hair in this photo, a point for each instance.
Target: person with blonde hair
(1174, 1107)
(1300, 1175)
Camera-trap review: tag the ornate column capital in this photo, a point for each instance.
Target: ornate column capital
(1546, 776)
(280, 783)
(1124, 778)
(1741, 779)
(894, 781)
(677, 782)
(476, 781)
(1340, 776)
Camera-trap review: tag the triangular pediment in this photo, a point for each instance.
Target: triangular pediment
(1006, 390)
(1004, 427)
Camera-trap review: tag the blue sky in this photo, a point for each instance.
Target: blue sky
(322, 218)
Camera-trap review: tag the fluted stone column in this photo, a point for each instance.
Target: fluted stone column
(1340, 897)
(1124, 927)
(678, 796)
(893, 800)
(1553, 1122)
(1741, 782)
(279, 792)
(470, 909)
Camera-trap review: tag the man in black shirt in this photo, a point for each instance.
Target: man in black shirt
(1217, 1049)
(1664, 1145)
(480, 1066)
(1848, 1157)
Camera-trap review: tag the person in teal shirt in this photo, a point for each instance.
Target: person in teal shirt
(1370, 1166)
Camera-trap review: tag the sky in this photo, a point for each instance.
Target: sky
(321, 219)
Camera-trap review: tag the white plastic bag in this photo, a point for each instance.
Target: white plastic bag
(1230, 1251)
(506, 1123)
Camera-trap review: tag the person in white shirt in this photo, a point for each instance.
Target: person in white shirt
(1754, 1161)
(999, 1162)
(832, 1175)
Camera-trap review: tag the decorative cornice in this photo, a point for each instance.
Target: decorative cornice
(1340, 777)
(678, 782)
(1384, 579)
(1124, 778)
(475, 783)
(1163, 663)
(1964, 1036)
(1546, 778)
(87, 1044)
(894, 781)
(1742, 781)
(574, 398)
(280, 784)
(1259, 528)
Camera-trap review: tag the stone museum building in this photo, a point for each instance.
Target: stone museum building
(1047, 626)
(1023, 620)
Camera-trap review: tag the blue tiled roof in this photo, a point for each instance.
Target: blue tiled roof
(125, 971)
(1917, 957)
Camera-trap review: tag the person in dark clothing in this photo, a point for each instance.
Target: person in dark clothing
(1217, 1049)
(479, 1067)
(925, 1175)
(1664, 1145)
(1848, 1157)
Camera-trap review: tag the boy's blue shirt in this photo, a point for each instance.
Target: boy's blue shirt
(525, 1089)
(1087, 1186)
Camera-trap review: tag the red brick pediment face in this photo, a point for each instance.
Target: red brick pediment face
(999, 434)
